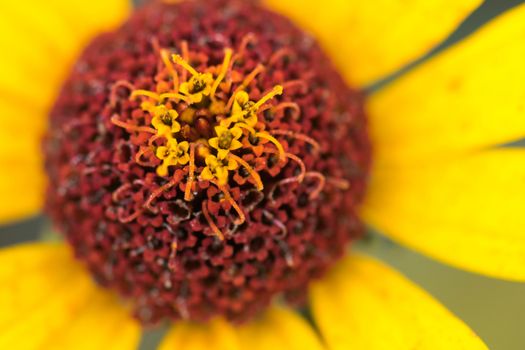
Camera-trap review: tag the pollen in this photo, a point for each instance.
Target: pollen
(206, 158)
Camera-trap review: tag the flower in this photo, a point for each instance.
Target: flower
(165, 120)
(217, 168)
(436, 133)
(172, 154)
(226, 140)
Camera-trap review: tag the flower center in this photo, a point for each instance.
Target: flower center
(205, 158)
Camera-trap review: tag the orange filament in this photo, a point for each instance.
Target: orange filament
(292, 83)
(256, 71)
(145, 93)
(154, 138)
(246, 40)
(265, 135)
(249, 78)
(253, 173)
(173, 73)
(225, 66)
(212, 224)
(116, 194)
(279, 184)
(191, 175)
(127, 219)
(185, 57)
(131, 127)
(292, 105)
(285, 51)
(300, 162)
(228, 197)
(113, 90)
(320, 184)
(341, 184)
(157, 193)
(138, 157)
(297, 136)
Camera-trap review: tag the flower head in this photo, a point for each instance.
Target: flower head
(206, 157)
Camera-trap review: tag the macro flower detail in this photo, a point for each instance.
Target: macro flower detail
(216, 159)
(208, 165)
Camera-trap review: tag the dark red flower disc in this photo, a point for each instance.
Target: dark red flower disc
(205, 158)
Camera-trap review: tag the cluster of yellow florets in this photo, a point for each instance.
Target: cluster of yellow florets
(231, 127)
(234, 121)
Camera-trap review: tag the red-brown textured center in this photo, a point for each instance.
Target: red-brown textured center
(155, 246)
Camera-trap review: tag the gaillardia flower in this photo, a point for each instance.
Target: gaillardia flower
(209, 163)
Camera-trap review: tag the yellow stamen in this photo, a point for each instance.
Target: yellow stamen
(173, 73)
(212, 224)
(225, 66)
(189, 184)
(177, 59)
(277, 90)
(253, 173)
(246, 127)
(173, 95)
(145, 93)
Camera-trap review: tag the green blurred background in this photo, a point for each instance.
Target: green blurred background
(494, 309)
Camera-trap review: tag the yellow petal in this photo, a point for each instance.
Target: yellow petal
(277, 328)
(39, 41)
(363, 304)
(216, 334)
(471, 96)
(467, 211)
(370, 39)
(47, 301)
